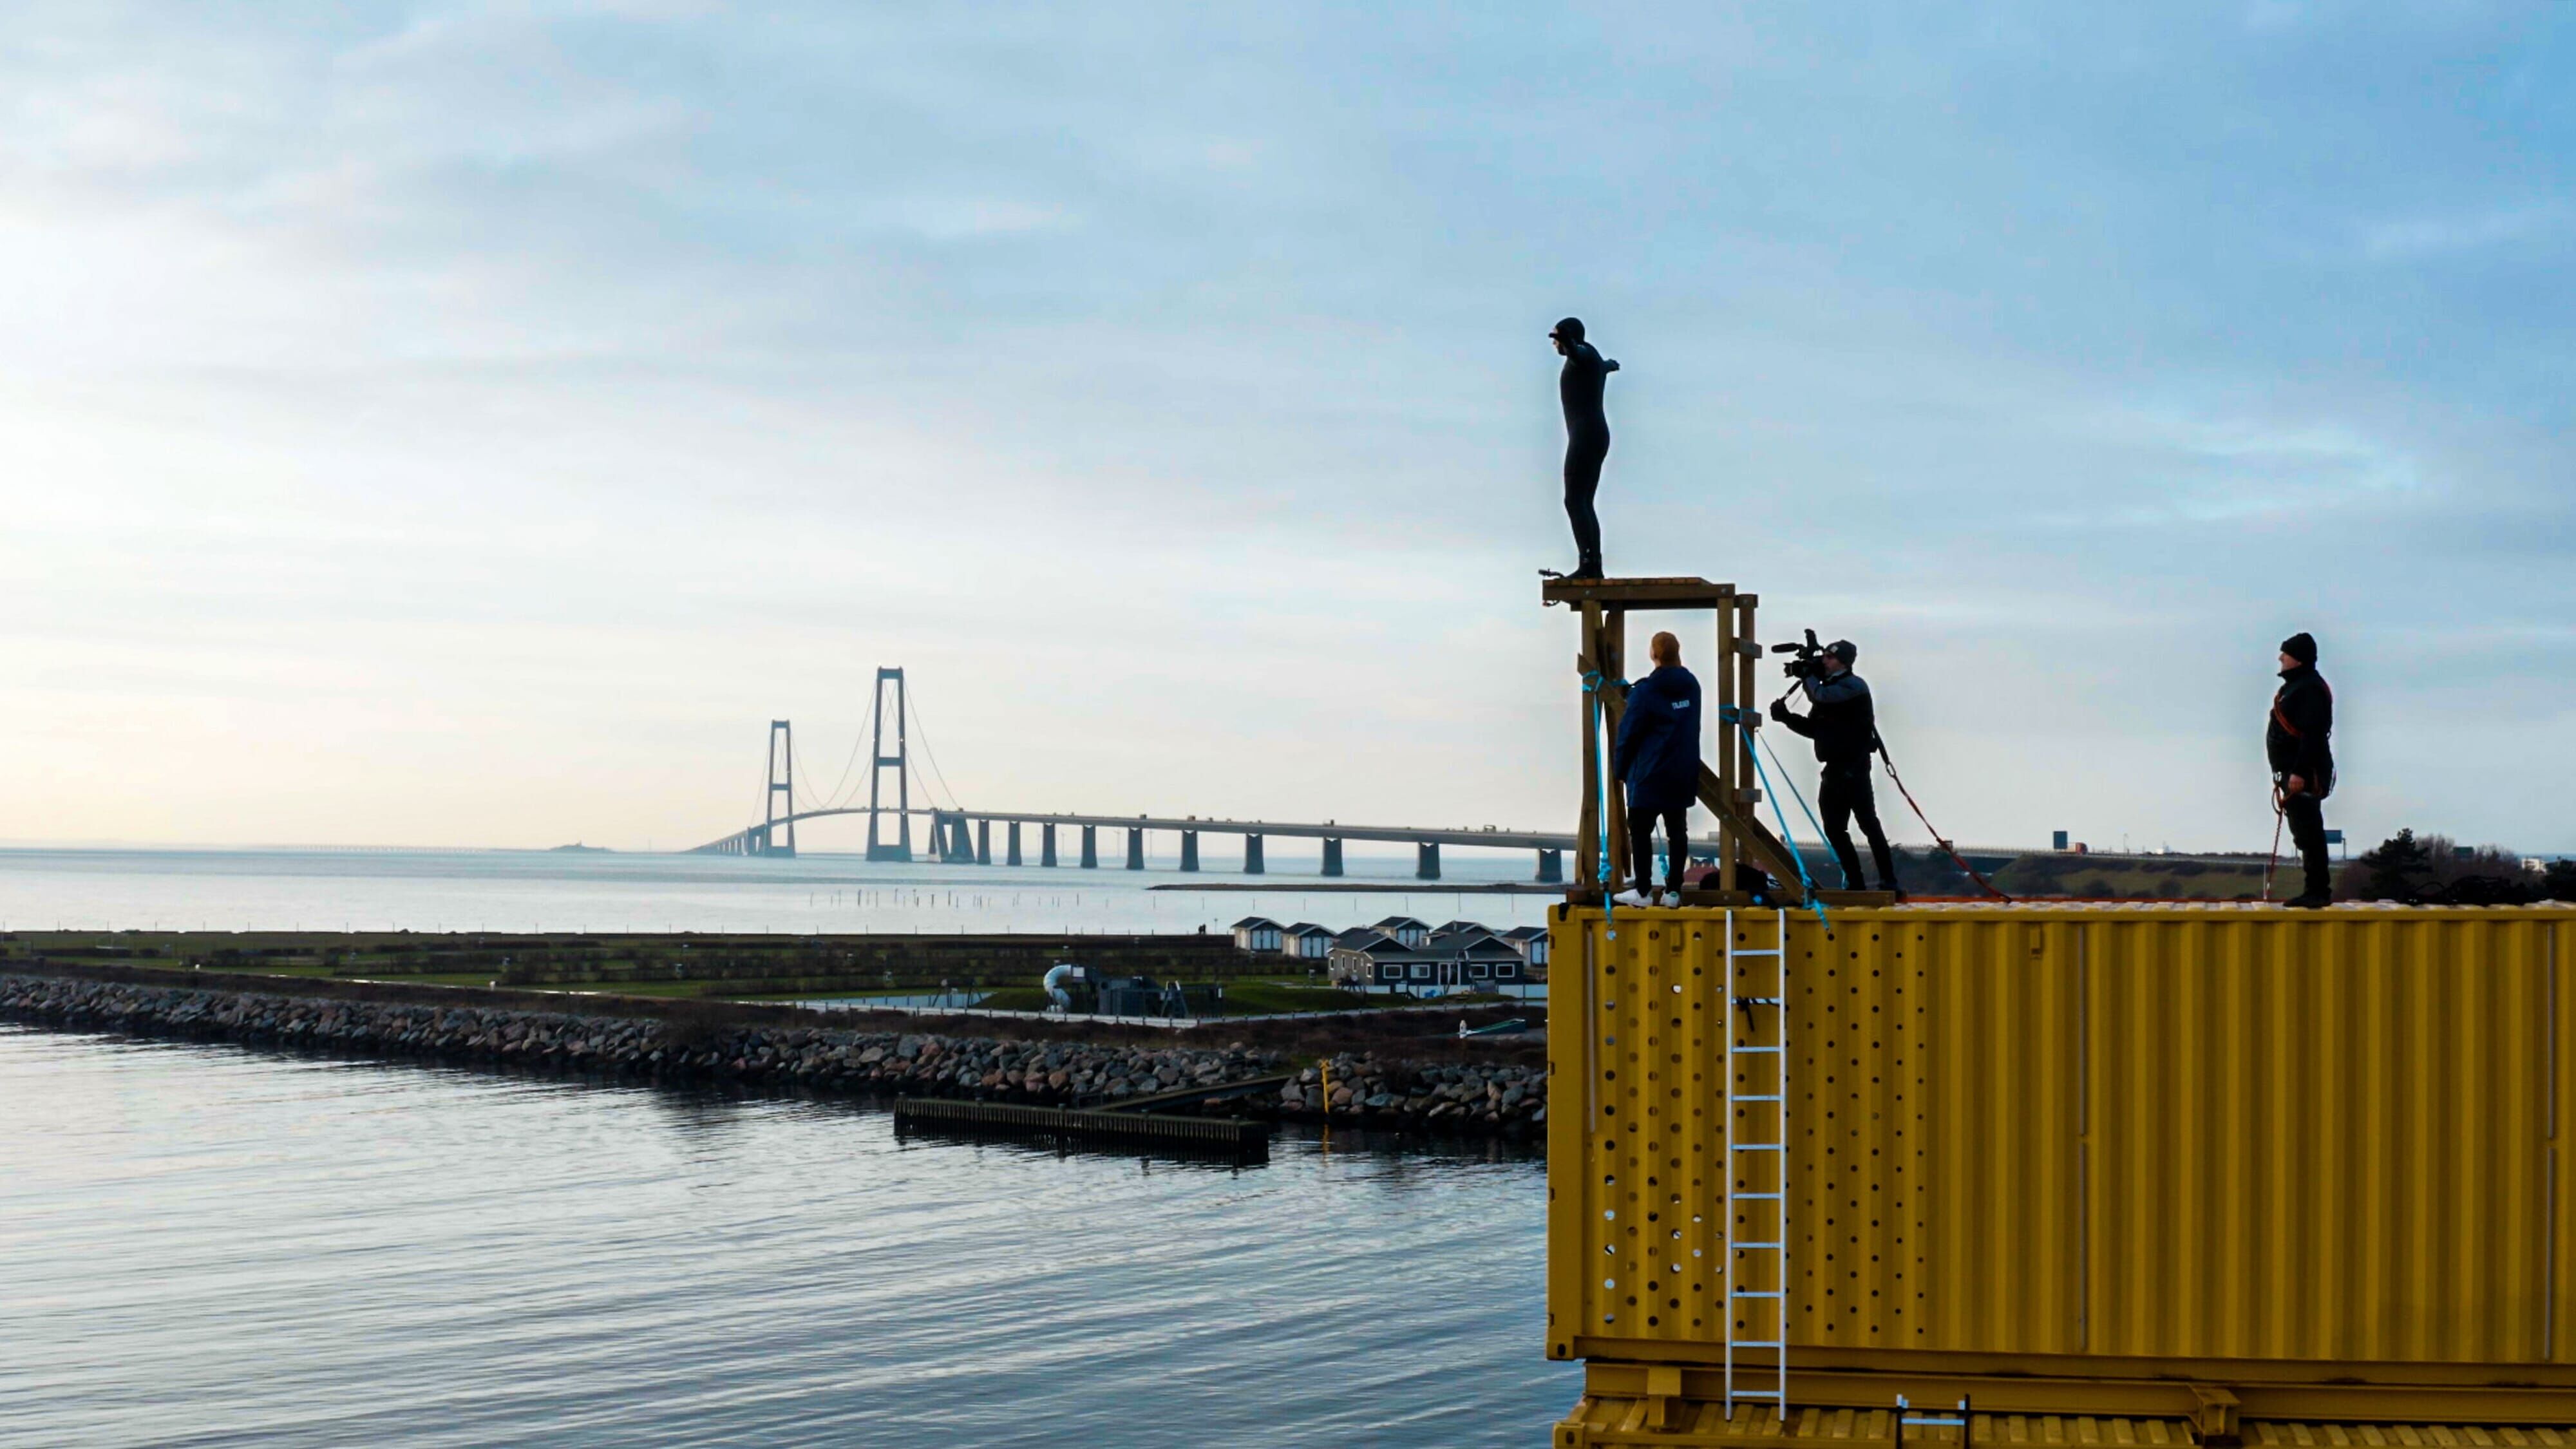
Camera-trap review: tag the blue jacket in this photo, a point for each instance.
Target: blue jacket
(1658, 750)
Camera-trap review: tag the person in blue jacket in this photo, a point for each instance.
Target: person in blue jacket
(1657, 757)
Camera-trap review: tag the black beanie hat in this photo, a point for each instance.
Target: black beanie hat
(1570, 328)
(2301, 647)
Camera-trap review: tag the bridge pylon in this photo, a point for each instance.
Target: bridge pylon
(779, 800)
(900, 846)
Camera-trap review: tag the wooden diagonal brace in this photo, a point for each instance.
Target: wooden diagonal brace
(1752, 837)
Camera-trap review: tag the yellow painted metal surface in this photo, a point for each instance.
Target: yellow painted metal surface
(2218, 1144)
(1624, 1421)
(1600, 1422)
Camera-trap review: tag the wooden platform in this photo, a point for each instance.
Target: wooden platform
(1665, 593)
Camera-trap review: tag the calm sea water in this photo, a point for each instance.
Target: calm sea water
(49, 889)
(210, 1246)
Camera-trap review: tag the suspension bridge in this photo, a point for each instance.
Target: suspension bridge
(955, 835)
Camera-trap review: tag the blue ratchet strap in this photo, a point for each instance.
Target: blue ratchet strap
(1793, 792)
(1804, 881)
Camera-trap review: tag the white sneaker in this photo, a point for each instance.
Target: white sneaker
(1631, 899)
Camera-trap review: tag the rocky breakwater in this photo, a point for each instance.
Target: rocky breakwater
(1057, 1073)
(1456, 1096)
(1365, 1089)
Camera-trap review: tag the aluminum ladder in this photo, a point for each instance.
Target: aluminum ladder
(1746, 1240)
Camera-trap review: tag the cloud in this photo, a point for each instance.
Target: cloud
(564, 391)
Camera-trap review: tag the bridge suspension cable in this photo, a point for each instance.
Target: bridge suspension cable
(933, 755)
(832, 799)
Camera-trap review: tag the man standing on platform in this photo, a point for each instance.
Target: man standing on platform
(2298, 740)
(1657, 757)
(1843, 722)
(1587, 438)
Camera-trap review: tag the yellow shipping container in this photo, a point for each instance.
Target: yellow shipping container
(2218, 1169)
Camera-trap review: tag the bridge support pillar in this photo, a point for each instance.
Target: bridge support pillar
(983, 842)
(1091, 847)
(1014, 857)
(1046, 845)
(1252, 855)
(1189, 850)
(1135, 848)
(1551, 867)
(1426, 860)
(1332, 856)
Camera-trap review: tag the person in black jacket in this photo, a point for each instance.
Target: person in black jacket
(1657, 757)
(1579, 388)
(2298, 739)
(1843, 722)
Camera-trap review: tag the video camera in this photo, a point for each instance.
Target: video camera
(1810, 663)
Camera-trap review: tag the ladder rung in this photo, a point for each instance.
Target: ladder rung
(1755, 1343)
(1757, 1001)
(1750, 1050)
(1764, 1394)
(1757, 1097)
(1762, 1196)
(1754, 1293)
(1740, 955)
(1758, 1147)
(1749, 1247)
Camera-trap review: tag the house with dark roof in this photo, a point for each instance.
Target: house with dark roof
(1531, 942)
(1306, 941)
(1256, 933)
(1405, 929)
(1452, 961)
(1368, 960)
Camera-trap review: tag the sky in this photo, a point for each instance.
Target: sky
(471, 424)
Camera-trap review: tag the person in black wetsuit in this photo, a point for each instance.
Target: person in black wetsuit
(1587, 438)
(2298, 740)
(1843, 722)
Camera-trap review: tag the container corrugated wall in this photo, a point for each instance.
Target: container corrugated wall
(2132, 1133)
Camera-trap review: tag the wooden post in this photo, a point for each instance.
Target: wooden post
(1587, 829)
(1614, 708)
(1728, 701)
(1750, 688)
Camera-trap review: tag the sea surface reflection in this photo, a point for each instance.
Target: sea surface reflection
(208, 1246)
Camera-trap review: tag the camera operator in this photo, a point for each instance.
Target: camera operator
(1844, 724)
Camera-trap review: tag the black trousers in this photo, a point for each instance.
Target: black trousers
(1641, 845)
(2307, 817)
(1845, 797)
(1585, 451)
